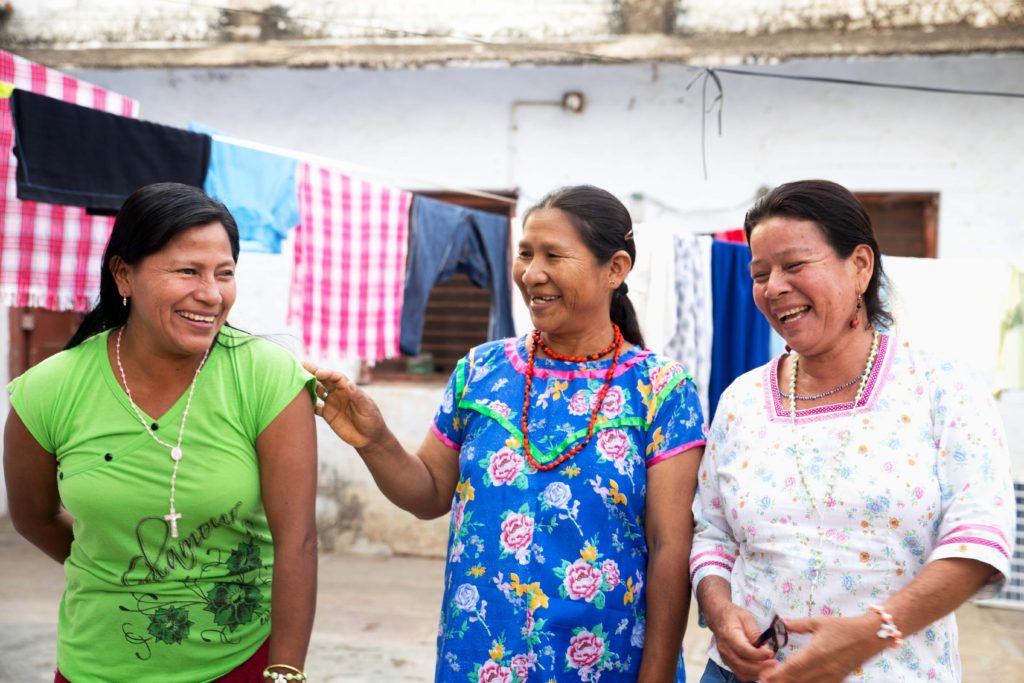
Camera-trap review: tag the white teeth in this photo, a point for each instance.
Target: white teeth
(197, 318)
(544, 298)
(792, 312)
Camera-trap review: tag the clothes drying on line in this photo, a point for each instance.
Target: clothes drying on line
(77, 156)
(257, 187)
(449, 239)
(49, 254)
(349, 265)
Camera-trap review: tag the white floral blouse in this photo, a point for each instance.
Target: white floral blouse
(925, 476)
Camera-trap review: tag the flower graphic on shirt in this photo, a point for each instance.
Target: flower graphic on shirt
(610, 570)
(517, 534)
(615, 446)
(637, 636)
(466, 597)
(613, 402)
(500, 408)
(557, 495)
(590, 577)
(169, 624)
(505, 468)
(233, 604)
(582, 581)
(588, 653)
(244, 558)
(492, 672)
(579, 404)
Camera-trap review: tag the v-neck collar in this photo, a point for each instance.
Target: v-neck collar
(111, 378)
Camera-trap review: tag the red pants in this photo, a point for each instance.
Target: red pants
(249, 671)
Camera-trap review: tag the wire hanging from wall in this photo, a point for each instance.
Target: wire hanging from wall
(708, 74)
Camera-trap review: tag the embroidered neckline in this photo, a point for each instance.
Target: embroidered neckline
(545, 368)
(879, 373)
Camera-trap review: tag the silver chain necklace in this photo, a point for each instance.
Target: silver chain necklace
(823, 394)
(172, 515)
(847, 436)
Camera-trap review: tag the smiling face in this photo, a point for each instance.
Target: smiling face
(180, 296)
(566, 289)
(805, 290)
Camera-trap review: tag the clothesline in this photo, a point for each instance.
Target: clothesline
(408, 181)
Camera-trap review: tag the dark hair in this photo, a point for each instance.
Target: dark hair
(604, 225)
(147, 221)
(842, 219)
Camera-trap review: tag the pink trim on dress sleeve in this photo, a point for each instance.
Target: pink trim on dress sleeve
(974, 540)
(709, 563)
(717, 553)
(444, 439)
(675, 451)
(994, 530)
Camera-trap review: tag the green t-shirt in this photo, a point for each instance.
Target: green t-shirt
(139, 605)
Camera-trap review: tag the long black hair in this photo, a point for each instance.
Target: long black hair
(147, 221)
(843, 221)
(605, 226)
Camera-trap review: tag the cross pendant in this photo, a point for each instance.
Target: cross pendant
(173, 518)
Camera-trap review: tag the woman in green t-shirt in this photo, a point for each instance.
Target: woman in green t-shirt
(169, 462)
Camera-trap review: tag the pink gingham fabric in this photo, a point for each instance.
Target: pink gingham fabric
(349, 274)
(49, 255)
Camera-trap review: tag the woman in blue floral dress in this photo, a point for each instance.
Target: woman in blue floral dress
(568, 461)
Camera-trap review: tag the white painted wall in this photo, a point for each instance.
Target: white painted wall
(640, 132)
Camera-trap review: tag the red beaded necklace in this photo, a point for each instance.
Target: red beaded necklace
(538, 343)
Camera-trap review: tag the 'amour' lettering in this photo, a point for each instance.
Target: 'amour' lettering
(167, 556)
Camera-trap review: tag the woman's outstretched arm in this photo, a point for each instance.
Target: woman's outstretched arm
(422, 483)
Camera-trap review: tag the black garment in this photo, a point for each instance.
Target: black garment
(78, 156)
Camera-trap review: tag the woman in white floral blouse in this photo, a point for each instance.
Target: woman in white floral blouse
(855, 487)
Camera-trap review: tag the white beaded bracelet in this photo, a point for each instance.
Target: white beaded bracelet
(888, 628)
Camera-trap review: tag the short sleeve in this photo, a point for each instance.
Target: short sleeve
(276, 376)
(678, 421)
(447, 425)
(978, 504)
(714, 548)
(32, 404)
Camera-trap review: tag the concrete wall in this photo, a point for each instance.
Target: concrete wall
(639, 133)
(129, 22)
(757, 16)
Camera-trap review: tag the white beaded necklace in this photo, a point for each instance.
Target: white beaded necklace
(847, 435)
(176, 455)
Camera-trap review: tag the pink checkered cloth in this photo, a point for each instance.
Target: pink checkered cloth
(349, 274)
(49, 255)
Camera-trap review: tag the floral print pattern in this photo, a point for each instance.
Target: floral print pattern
(926, 476)
(231, 603)
(546, 569)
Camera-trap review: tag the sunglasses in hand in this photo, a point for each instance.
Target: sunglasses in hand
(775, 635)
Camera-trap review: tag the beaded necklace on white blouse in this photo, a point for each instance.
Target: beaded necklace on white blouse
(172, 515)
(847, 435)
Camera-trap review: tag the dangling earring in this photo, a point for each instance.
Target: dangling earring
(855, 323)
(124, 301)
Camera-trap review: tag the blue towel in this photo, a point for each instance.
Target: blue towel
(259, 190)
(741, 338)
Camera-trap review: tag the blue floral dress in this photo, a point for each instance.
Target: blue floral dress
(546, 570)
